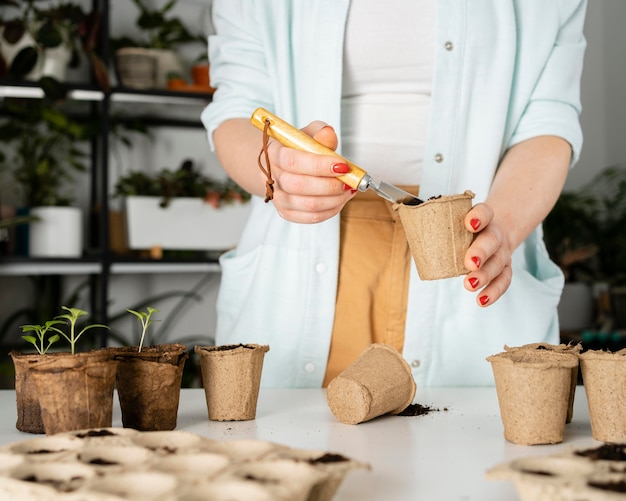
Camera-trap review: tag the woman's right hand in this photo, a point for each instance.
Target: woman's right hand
(305, 186)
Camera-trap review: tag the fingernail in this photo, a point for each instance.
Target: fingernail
(347, 187)
(354, 191)
(475, 223)
(483, 300)
(473, 282)
(476, 261)
(341, 168)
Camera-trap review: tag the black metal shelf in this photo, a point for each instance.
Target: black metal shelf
(99, 262)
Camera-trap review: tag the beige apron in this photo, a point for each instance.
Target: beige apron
(372, 292)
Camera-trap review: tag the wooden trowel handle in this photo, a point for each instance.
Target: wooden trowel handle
(288, 135)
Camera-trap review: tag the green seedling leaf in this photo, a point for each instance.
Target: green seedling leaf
(71, 318)
(145, 318)
(42, 332)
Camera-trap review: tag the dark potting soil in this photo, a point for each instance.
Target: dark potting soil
(418, 410)
(606, 452)
(618, 486)
(96, 433)
(232, 347)
(539, 472)
(328, 458)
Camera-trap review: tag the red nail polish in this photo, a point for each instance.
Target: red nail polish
(483, 300)
(341, 168)
(476, 261)
(473, 282)
(347, 187)
(475, 223)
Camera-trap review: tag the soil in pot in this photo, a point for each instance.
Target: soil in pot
(148, 385)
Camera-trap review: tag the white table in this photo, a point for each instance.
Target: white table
(439, 456)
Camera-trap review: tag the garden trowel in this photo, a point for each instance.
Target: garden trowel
(357, 178)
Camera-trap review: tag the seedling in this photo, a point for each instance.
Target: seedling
(41, 332)
(71, 318)
(145, 319)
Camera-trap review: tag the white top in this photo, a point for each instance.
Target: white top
(386, 92)
(441, 456)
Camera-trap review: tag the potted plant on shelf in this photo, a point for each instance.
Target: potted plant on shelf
(154, 53)
(149, 379)
(567, 233)
(584, 234)
(67, 390)
(42, 151)
(43, 41)
(214, 212)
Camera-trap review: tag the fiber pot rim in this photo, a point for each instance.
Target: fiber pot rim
(229, 349)
(536, 358)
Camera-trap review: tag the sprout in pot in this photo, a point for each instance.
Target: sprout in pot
(62, 391)
(145, 320)
(149, 380)
(42, 335)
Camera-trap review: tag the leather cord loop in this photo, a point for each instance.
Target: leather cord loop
(269, 183)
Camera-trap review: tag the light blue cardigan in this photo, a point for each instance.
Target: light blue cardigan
(506, 71)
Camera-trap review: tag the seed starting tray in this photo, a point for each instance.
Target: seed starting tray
(110, 464)
(591, 474)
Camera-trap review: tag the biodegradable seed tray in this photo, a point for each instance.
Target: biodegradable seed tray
(109, 464)
(597, 473)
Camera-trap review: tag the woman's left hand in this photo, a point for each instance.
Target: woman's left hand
(488, 257)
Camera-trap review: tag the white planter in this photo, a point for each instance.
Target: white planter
(57, 233)
(168, 62)
(136, 67)
(50, 63)
(186, 224)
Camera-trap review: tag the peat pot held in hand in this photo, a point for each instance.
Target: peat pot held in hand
(148, 385)
(436, 233)
(59, 392)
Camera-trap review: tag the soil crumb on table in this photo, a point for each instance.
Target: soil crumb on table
(419, 410)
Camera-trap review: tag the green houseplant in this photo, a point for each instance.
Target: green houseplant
(584, 235)
(41, 148)
(214, 211)
(44, 38)
(161, 34)
(62, 390)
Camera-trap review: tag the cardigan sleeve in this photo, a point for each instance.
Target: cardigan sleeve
(238, 64)
(554, 105)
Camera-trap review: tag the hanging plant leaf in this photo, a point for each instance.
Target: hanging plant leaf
(24, 62)
(13, 31)
(49, 35)
(52, 88)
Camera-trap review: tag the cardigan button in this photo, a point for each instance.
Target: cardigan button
(321, 268)
(309, 367)
(438, 158)
(415, 364)
(448, 46)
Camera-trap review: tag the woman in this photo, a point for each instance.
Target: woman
(437, 96)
